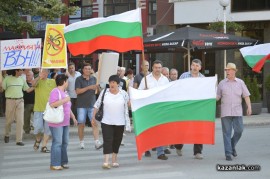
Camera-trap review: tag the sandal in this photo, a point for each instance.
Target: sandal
(106, 166)
(45, 150)
(36, 145)
(115, 165)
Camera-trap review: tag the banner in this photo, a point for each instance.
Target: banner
(55, 50)
(107, 66)
(20, 54)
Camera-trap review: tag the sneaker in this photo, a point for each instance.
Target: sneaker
(98, 145)
(147, 154)
(56, 168)
(162, 157)
(65, 166)
(234, 153)
(20, 143)
(198, 156)
(167, 151)
(228, 158)
(179, 152)
(82, 145)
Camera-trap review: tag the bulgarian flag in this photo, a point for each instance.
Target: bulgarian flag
(121, 33)
(256, 56)
(181, 112)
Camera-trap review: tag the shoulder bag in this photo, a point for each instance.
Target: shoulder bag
(99, 114)
(54, 115)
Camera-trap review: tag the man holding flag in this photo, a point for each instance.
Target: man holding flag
(155, 79)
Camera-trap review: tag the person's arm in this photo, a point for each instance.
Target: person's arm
(82, 90)
(247, 100)
(72, 116)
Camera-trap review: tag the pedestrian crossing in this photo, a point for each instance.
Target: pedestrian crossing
(24, 162)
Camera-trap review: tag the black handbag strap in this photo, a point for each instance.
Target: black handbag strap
(101, 105)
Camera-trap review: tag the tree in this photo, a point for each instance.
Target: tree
(11, 13)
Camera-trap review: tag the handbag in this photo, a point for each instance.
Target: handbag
(54, 115)
(99, 114)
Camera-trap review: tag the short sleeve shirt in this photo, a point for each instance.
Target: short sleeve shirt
(14, 86)
(54, 96)
(231, 93)
(88, 98)
(71, 85)
(42, 93)
(138, 78)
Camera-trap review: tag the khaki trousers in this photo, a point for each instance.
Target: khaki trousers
(15, 111)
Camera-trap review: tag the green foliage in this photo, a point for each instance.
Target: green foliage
(252, 85)
(230, 26)
(11, 13)
(267, 83)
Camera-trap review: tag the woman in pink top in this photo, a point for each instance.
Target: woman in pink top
(60, 132)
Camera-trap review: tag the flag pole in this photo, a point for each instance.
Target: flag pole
(144, 70)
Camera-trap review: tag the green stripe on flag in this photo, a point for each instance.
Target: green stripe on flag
(155, 114)
(110, 28)
(253, 59)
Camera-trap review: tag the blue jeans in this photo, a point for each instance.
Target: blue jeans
(60, 138)
(160, 150)
(82, 113)
(229, 123)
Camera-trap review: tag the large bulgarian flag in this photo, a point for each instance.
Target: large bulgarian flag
(256, 56)
(120, 33)
(181, 112)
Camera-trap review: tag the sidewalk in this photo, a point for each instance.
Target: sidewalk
(254, 120)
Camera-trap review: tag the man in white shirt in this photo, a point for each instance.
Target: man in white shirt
(153, 80)
(72, 75)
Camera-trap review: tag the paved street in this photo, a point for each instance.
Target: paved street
(253, 149)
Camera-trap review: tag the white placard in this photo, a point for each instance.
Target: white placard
(20, 54)
(107, 66)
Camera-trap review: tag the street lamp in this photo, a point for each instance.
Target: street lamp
(224, 4)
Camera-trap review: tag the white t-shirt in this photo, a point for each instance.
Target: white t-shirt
(114, 109)
(71, 85)
(152, 82)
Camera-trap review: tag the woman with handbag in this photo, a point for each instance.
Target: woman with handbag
(60, 131)
(115, 119)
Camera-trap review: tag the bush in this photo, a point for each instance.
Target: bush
(267, 83)
(252, 85)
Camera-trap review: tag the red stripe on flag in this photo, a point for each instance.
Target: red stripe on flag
(258, 66)
(187, 132)
(106, 43)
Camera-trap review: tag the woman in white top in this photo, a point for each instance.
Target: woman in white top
(115, 118)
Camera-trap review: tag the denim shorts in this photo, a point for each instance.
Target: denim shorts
(82, 112)
(40, 125)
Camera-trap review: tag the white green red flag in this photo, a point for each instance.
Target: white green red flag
(181, 112)
(120, 33)
(256, 55)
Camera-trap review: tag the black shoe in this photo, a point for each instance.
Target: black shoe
(154, 149)
(167, 151)
(163, 157)
(6, 139)
(172, 147)
(234, 153)
(229, 158)
(147, 154)
(20, 143)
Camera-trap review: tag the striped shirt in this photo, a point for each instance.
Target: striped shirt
(231, 93)
(189, 75)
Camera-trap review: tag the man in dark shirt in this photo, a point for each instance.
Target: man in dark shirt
(138, 78)
(85, 87)
(29, 99)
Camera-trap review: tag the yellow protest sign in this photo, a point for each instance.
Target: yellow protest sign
(54, 49)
